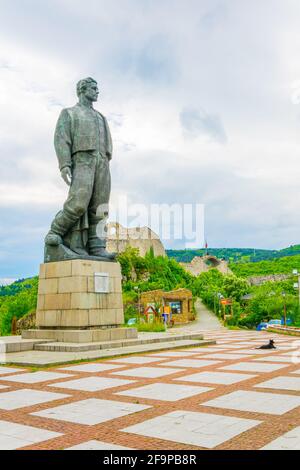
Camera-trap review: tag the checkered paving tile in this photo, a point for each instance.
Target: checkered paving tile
(9, 370)
(92, 384)
(175, 353)
(274, 358)
(25, 397)
(282, 383)
(165, 392)
(226, 396)
(91, 411)
(148, 372)
(35, 377)
(254, 367)
(191, 363)
(224, 356)
(288, 441)
(97, 445)
(217, 378)
(256, 402)
(91, 368)
(198, 429)
(13, 435)
(136, 360)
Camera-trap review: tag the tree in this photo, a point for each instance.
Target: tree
(235, 287)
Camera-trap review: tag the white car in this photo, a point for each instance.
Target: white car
(273, 323)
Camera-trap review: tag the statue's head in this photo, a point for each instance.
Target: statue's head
(89, 88)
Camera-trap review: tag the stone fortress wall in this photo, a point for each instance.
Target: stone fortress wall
(143, 238)
(201, 264)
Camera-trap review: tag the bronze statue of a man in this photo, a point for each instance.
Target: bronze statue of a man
(84, 148)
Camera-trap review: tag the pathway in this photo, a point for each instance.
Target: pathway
(227, 396)
(206, 320)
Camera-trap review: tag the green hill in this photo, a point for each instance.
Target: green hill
(16, 300)
(237, 255)
(146, 273)
(284, 265)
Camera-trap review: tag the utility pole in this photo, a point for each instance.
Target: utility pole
(284, 308)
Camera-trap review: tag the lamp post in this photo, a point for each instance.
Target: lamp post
(284, 307)
(220, 296)
(296, 284)
(137, 289)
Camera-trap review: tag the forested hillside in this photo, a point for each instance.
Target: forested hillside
(15, 301)
(148, 273)
(284, 265)
(243, 255)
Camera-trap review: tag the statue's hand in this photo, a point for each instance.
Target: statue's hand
(66, 175)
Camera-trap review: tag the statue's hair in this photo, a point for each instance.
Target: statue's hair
(82, 84)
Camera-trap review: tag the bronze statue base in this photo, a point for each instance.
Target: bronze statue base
(63, 253)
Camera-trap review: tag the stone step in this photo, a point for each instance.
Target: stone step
(73, 347)
(10, 344)
(81, 336)
(43, 358)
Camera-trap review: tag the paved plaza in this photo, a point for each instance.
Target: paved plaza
(226, 396)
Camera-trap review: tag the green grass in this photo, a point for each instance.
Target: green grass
(281, 332)
(150, 327)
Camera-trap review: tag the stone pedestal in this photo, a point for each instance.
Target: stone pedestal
(79, 295)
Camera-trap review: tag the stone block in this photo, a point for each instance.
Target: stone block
(51, 318)
(40, 302)
(58, 269)
(90, 284)
(29, 334)
(119, 316)
(117, 285)
(98, 317)
(114, 300)
(12, 347)
(41, 334)
(74, 318)
(103, 317)
(57, 301)
(78, 336)
(118, 334)
(72, 284)
(81, 300)
(131, 333)
(42, 273)
(85, 267)
(48, 286)
(40, 318)
(101, 335)
(88, 268)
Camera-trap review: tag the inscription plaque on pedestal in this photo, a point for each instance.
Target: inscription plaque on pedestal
(101, 283)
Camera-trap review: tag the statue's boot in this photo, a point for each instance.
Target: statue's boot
(97, 246)
(61, 224)
(79, 250)
(75, 243)
(53, 239)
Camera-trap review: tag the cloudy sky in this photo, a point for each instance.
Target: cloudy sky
(203, 101)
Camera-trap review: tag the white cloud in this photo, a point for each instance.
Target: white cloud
(234, 64)
(6, 281)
